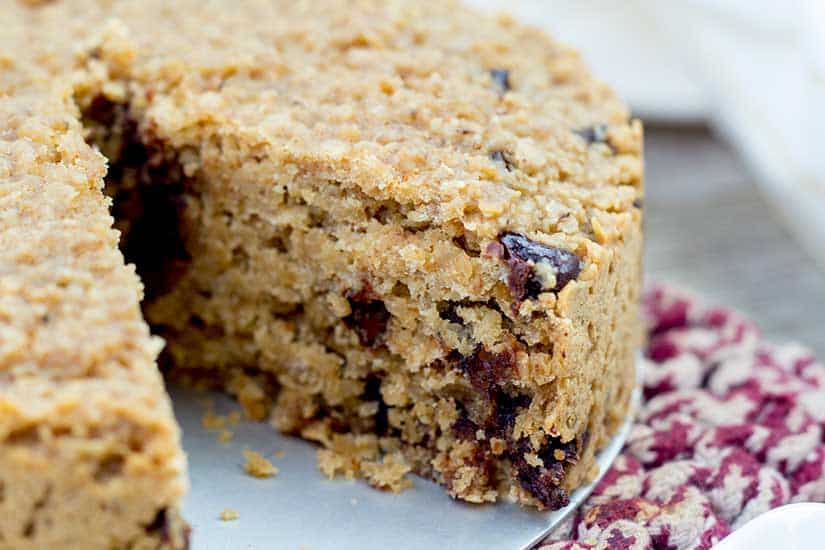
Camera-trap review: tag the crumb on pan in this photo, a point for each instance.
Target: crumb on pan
(229, 514)
(258, 466)
(212, 421)
(352, 456)
(389, 474)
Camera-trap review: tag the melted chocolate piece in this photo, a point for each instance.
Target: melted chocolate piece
(522, 280)
(544, 485)
(369, 317)
(506, 409)
(543, 482)
(487, 369)
(464, 428)
(487, 372)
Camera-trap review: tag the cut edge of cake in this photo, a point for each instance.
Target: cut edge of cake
(90, 453)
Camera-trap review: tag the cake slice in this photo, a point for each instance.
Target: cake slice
(405, 230)
(90, 452)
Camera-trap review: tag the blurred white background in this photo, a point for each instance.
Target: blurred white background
(753, 69)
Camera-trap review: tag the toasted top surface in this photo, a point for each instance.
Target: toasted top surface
(458, 117)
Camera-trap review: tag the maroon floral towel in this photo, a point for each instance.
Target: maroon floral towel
(730, 427)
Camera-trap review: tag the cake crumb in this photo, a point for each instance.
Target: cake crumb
(333, 464)
(251, 395)
(229, 514)
(346, 453)
(212, 421)
(258, 466)
(352, 456)
(225, 436)
(280, 453)
(390, 473)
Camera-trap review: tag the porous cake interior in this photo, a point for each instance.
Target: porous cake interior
(411, 236)
(292, 290)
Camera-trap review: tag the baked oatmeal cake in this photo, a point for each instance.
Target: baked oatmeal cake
(402, 229)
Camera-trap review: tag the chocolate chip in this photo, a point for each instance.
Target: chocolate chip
(522, 279)
(487, 372)
(544, 482)
(501, 78)
(544, 485)
(506, 409)
(487, 369)
(638, 203)
(556, 451)
(501, 156)
(520, 247)
(478, 455)
(593, 134)
(464, 428)
(369, 317)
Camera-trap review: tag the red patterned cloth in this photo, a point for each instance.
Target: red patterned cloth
(730, 427)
